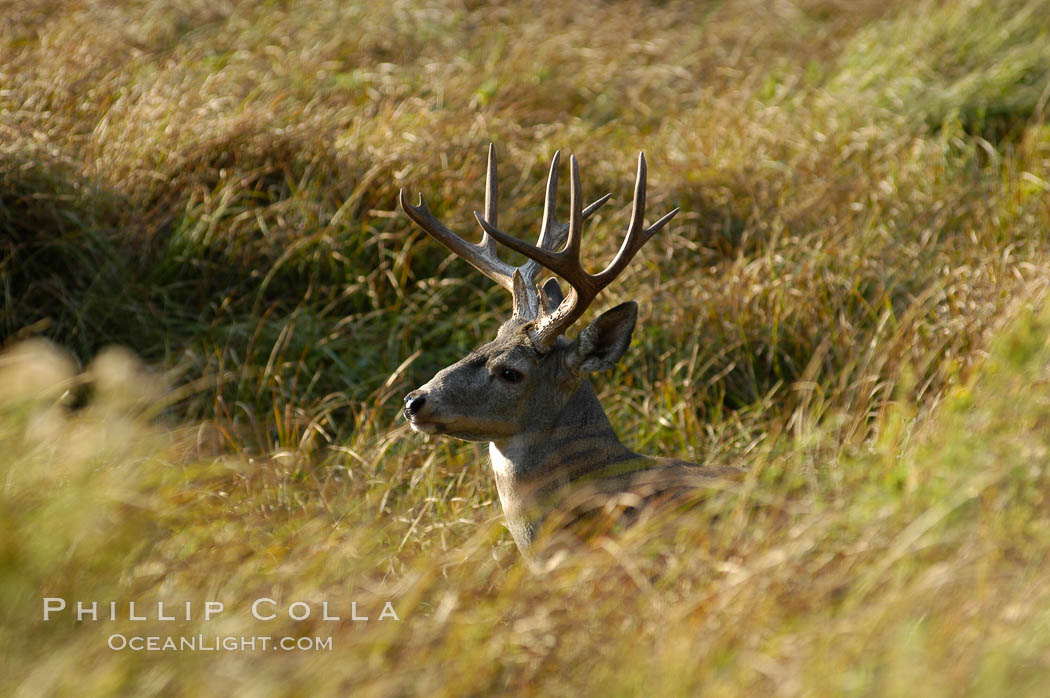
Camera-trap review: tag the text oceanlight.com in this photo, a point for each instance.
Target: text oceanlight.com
(216, 643)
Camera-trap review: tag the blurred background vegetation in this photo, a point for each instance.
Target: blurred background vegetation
(199, 235)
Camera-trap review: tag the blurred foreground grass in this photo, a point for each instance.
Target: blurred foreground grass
(850, 307)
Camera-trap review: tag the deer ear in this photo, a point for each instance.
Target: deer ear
(553, 293)
(602, 343)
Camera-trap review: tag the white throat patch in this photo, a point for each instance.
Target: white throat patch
(501, 465)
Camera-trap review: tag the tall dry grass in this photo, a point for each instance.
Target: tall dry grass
(849, 307)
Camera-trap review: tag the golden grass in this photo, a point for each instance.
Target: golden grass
(848, 307)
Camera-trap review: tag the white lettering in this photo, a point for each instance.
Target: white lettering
(212, 607)
(255, 609)
(52, 604)
(83, 611)
(388, 611)
(306, 610)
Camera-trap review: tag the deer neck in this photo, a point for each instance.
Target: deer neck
(531, 467)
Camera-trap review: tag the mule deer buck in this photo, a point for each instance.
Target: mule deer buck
(551, 444)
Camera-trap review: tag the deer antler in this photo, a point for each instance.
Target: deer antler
(521, 280)
(566, 263)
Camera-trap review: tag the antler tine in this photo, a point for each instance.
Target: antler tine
(572, 247)
(520, 281)
(552, 233)
(550, 223)
(482, 257)
(567, 264)
(637, 233)
(491, 198)
(491, 187)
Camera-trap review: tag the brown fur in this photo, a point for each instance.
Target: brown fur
(551, 444)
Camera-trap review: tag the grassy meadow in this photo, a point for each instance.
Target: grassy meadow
(212, 307)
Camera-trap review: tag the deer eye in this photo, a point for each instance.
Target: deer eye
(510, 375)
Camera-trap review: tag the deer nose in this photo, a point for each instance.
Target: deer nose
(413, 404)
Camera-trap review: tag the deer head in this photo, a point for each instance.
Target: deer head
(522, 381)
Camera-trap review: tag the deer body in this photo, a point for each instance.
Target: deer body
(551, 445)
(531, 469)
